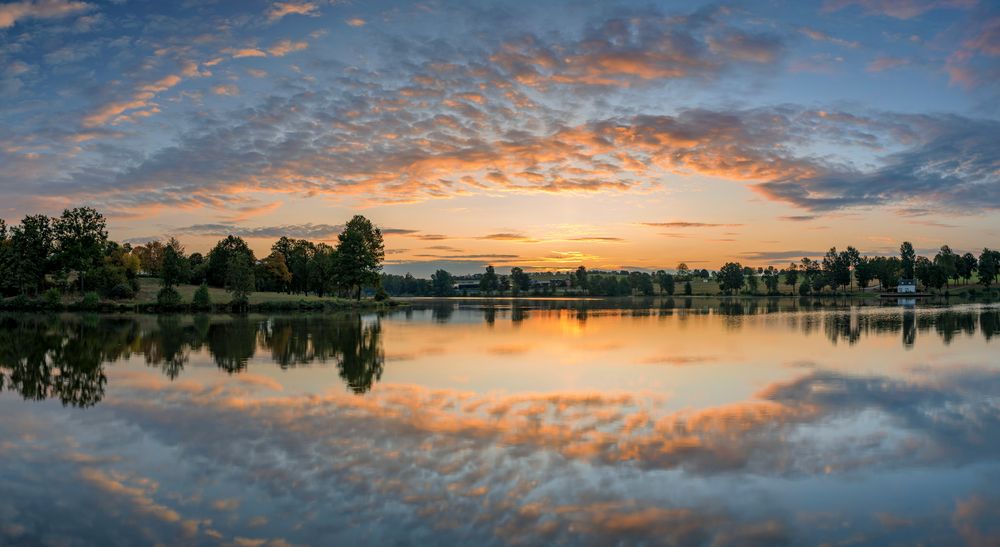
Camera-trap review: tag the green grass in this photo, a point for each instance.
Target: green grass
(149, 287)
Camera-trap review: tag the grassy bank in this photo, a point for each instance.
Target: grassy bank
(145, 301)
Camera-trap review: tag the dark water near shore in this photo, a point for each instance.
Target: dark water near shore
(688, 421)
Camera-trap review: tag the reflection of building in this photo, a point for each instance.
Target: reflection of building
(907, 286)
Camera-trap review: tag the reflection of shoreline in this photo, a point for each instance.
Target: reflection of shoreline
(62, 357)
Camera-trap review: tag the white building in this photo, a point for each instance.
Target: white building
(906, 286)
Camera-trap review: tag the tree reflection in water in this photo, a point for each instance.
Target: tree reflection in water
(63, 356)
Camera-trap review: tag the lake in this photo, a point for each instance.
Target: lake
(681, 421)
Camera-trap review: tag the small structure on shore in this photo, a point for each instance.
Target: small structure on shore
(906, 286)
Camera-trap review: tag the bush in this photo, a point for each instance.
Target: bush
(202, 300)
(90, 301)
(381, 295)
(168, 298)
(53, 298)
(121, 291)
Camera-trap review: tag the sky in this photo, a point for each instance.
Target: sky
(537, 134)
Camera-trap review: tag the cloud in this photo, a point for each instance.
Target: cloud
(11, 13)
(899, 9)
(508, 236)
(230, 90)
(883, 63)
(798, 218)
(774, 256)
(284, 47)
(820, 36)
(282, 9)
(683, 224)
(356, 22)
(647, 47)
(299, 231)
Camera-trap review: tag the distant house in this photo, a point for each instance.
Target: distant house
(906, 286)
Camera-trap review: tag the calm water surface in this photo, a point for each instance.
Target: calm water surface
(463, 422)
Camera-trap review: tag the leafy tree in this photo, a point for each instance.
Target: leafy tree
(730, 277)
(865, 271)
(519, 281)
(360, 252)
(32, 243)
(683, 271)
(837, 268)
(201, 300)
(173, 266)
(907, 257)
(666, 282)
(887, 271)
(324, 270)
(150, 257)
(239, 281)
(443, 283)
(947, 261)
(81, 235)
(989, 266)
(792, 275)
(489, 282)
(752, 282)
(640, 282)
(771, 280)
(222, 255)
(272, 273)
(580, 278)
(688, 289)
(967, 266)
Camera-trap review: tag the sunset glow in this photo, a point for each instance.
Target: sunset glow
(545, 135)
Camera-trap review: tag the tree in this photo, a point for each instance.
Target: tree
(666, 282)
(865, 272)
(989, 266)
(730, 277)
(173, 268)
(640, 282)
(31, 243)
(837, 268)
(887, 270)
(967, 266)
(580, 278)
(683, 270)
(81, 235)
(907, 257)
(272, 273)
(324, 271)
(360, 252)
(239, 281)
(792, 275)
(519, 281)
(150, 257)
(443, 283)
(752, 282)
(688, 289)
(947, 260)
(771, 280)
(489, 282)
(219, 259)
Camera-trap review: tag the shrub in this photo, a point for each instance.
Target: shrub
(121, 291)
(53, 298)
(381, 295)
(168, 298)
(202, 300)
(90, 301)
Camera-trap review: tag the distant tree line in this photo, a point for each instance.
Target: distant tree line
(837, 271)
(72, 253)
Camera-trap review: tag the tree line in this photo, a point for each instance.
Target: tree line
(836, 271)
(72, 253)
